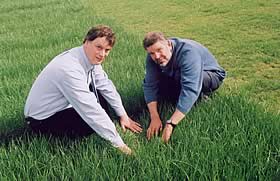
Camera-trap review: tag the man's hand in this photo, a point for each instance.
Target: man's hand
(126, 122)
(176, 117)
(167, 132)
(125, 149)
(155, 128)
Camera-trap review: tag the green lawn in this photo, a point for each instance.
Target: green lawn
(243, 35)
(234, 136)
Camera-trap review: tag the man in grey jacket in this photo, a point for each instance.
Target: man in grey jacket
(65, 98)
(177, 69)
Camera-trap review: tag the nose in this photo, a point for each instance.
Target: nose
(157, 55)
(102, 53)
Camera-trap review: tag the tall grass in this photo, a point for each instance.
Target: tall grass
(224, 138)
(228, 137)
(243, 35)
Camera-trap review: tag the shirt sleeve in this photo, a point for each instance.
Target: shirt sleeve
(107, 89)
(76, 91)
(191, 79)
(151, 81)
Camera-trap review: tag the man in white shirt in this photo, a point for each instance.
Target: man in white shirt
(64, 99)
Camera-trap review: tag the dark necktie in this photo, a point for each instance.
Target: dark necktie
(93, 83)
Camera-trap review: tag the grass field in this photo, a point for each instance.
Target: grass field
(234, 136)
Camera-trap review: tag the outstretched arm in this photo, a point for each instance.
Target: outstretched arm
(191, 83)
(168, 129)
(109, 92)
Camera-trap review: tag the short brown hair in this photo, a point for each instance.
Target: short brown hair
(153, 37)
(101, 31)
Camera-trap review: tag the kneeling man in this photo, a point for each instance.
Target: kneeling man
(177, 69)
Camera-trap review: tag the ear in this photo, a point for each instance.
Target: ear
(169, 44)
(86, 42)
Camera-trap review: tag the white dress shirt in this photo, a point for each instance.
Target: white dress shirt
(64, 82)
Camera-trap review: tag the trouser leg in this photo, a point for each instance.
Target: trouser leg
(211, 82)
(169, 89)
(64, 123)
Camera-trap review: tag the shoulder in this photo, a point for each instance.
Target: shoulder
(149, 61)
(149, 58)
(66, 64)
(188, 56)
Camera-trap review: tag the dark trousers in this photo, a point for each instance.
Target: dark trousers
(211, 82)
(170, 90)
(64, 123)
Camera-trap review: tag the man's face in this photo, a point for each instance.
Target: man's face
(97, 50)
(161, 52)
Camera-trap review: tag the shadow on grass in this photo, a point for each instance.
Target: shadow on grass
(21, 133)
(23, 136)
(13, 134)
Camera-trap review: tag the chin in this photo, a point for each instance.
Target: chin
(164, 64)
(98, 61)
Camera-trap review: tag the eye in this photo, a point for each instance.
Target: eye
(107, 50)
(98, 47)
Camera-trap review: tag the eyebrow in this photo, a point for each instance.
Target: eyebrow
(159, 48)
(99, 45)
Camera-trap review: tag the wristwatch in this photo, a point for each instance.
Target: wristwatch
(169, 121)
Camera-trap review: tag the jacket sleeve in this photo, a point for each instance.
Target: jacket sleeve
(191, 67)
(151, 81)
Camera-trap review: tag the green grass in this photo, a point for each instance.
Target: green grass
(234, 136)
(243, 35)
(224, 138)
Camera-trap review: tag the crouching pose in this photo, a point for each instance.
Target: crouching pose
(66, 97)
(177, 69)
